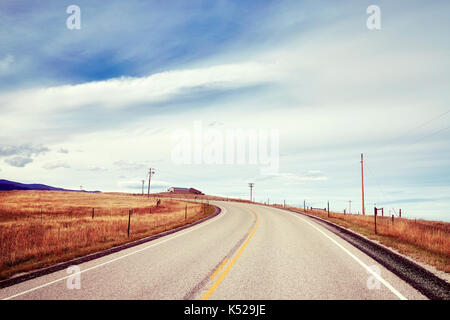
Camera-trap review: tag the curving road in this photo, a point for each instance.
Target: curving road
(246, 252)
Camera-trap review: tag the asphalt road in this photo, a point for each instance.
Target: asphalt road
(246, 252)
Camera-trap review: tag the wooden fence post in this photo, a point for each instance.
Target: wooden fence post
(392, 219)
(129, 221)
(92, 213)
(375, 219)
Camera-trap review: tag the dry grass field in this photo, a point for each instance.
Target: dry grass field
(425, 241)
(40, 228)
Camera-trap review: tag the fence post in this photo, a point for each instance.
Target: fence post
(399, 213)
(92, 213)
(129, 220)
(392, 219)
(375, 219)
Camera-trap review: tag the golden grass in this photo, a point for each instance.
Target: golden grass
(425, 241)
(40, 228)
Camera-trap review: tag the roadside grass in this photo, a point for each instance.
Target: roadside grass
(425, 241)
(41, 228)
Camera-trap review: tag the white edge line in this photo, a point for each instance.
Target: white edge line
(376, 275)
(118, 258)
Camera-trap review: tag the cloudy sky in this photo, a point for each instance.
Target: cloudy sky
(99, 105)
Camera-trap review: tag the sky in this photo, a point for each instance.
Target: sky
(164, 84)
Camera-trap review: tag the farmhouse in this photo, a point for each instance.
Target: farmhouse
(184, 190)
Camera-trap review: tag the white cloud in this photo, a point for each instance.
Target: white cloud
(24, 150)
(129, 165)
(6, 64)
(122, 92)
(19, 162)
(96, 168)
(56, 165)
(137, 184)
(292, 178)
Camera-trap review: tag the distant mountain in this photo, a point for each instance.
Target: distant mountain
(6, 185)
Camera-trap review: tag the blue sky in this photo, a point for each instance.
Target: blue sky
(98, 106)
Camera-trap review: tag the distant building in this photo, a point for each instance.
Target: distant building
(192, 190)
(184, 190)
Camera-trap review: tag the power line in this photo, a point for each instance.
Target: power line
(429, 121)
(362, 184)
(382, 194)
(406, 133)
(429, 135)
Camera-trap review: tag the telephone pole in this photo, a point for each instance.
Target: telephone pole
(143, 181)
(251, 184)
(362, 184)
(150, 173)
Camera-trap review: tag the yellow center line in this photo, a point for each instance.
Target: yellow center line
(224, 262)
(222, 276)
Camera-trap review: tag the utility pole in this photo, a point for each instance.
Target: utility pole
(150, 173)
(349, 206)
(362, 184)
(251, 184)
(143, 181)
(328, 206)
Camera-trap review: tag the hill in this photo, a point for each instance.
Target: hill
(6, 185)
